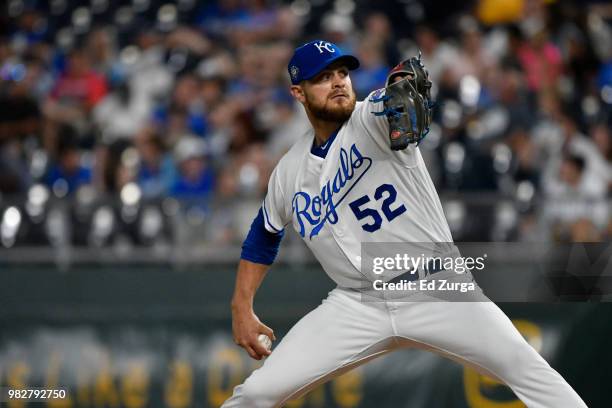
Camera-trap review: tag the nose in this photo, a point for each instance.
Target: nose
(339, 81)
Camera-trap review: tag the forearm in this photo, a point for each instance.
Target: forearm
(248, 279)
(258, 253)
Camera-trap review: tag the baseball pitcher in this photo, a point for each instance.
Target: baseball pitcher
(357, 177)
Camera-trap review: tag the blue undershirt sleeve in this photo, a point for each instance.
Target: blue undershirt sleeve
(261, 246)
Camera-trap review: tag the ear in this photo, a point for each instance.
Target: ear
(298, 93)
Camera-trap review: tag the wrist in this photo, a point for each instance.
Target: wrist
(241, 305)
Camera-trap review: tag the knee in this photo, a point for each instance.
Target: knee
(519, 358)
(255, 395)
(252, 394)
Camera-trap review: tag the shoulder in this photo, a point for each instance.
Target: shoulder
(299, 148)
(288, 165)
(373, 99)
(366, 109)
(366, 114)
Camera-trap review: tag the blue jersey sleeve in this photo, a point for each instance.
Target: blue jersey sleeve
(261, 246)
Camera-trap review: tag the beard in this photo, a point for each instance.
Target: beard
(330, 111)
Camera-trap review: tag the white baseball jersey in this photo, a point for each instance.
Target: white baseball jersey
(362, 191)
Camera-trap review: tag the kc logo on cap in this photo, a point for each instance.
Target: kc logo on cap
(313, 57)
(324, 45)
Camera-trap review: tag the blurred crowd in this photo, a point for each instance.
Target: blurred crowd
(128, 113)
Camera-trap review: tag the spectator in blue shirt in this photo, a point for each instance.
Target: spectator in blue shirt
(68, 172)
(195, 178)
(156, 171)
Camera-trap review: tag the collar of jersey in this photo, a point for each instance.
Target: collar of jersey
(321, 151)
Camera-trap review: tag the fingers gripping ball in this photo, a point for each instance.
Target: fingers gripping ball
(407, 103)
(265, 341)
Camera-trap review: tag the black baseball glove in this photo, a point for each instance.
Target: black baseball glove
(407, 103)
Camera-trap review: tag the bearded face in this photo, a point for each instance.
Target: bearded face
(329, 96)
(336, 106)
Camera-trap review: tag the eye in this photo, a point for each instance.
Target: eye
(324, 76)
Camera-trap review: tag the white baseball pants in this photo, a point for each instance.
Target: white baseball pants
(344, 332)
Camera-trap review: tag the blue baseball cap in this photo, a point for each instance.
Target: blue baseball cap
(311, 58)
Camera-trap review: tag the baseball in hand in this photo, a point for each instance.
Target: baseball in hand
(265, 341)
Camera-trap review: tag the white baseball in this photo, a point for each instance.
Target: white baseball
(265, 341)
